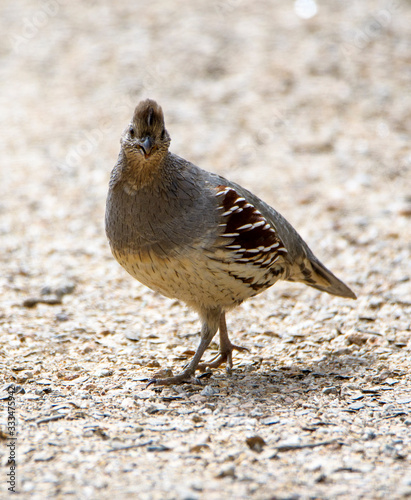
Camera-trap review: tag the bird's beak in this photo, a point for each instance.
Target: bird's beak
(147, 146)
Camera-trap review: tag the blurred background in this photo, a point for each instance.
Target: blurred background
(306, 103)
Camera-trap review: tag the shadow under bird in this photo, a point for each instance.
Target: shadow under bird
(195, 236)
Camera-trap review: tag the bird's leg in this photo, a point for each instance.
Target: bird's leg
(209, 328)
(226, 349)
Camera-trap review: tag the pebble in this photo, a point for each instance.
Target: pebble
(33, 301)
(127, 402)
(133, 335)
(404, 401)
(43, 382)
(209, 391)
(62, 317)
(227, 471)
(270, 420)
(369, 435)
(289, 443)
(330, 390)
(104, 372)
(256, 443)
(199, 447)
(356, 406)
(30, 396)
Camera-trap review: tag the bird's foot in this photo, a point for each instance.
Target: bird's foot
(186, 376)
(224, 356)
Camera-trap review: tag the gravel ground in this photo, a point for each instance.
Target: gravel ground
(311, 111)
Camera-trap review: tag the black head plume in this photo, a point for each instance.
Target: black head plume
(148, 119)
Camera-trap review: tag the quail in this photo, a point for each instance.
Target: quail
(195, 236)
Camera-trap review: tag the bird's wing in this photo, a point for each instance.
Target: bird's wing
(264, 236)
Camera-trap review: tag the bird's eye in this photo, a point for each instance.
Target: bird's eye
(163, 133)
(131, 131)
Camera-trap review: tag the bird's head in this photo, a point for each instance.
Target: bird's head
(146, 137)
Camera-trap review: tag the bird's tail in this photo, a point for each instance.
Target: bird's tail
(315, 274)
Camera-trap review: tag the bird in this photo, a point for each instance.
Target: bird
(197, 237)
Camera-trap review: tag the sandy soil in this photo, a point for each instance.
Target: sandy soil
(313, 115)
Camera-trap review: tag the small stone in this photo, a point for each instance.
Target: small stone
(164, 373)
(342, 352)
(199, 447)
(22, 377)
(51, 301)
(404, 401)
(375, 302)
(31, 302)
(357, 397)
(42, 457)
(256, 443)
(209, 391)
(66, 375)
(90, 387)
(356, 338)
(369, 435)
(228, 471)
(289, 444)
(330, 390)
(104, 372)
(66, 289)
(256, 413)
(270, 420)
(135, 336)
(197, 486)
(158, 447)
(189, 496)
(405, 210)
(31, 397)
(127, 403)
(152, 409)
(356, 406)
(62, 317)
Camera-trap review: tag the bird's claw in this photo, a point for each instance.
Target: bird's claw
(184, 377)
(225, 355)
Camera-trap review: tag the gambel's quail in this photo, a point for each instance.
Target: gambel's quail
(197, 237)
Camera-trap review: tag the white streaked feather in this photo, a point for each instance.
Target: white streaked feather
(246, 226)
